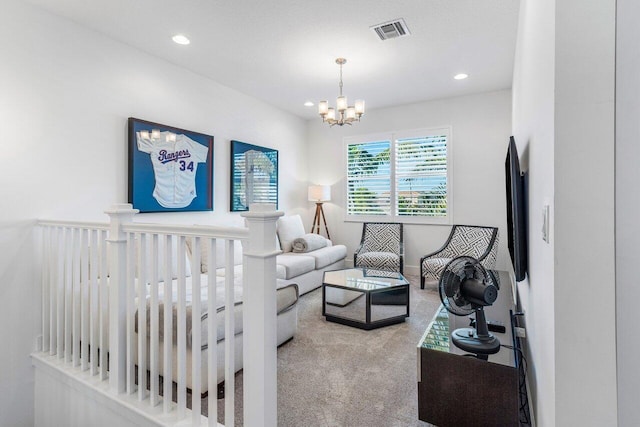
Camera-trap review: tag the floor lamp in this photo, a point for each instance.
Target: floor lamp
(319, 194)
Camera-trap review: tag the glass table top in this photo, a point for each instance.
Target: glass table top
(436, 337)
(364, 279)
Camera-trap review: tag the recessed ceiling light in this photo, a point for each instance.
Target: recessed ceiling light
(460, 76)
(308, 104)
(181, 39)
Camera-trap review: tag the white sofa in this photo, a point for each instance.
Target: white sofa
(297, 273)
(304, 268)
(287, 294)
(286, 324)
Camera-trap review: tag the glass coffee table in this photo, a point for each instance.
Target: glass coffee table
(365, 298)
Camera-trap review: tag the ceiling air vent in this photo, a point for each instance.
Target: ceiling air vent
(391, 29)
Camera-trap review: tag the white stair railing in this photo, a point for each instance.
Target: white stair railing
(93, 302)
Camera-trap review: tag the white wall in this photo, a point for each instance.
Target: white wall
(533, 129)
(481, 127)
(563, 118)
(66, 95)
(584, 231)
(627, 208)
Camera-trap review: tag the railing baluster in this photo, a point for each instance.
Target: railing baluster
(212, 334)
(74, 274)
(142, 317)
(60, 293)
(93, 296)
(130, 295)
(153, 351)
(84, 302)
(104, 305)
(229, 337)
(60, 296)
(53, 286)
(182, 326)
(69, 255)
(46, 294)
(167, 382)
(196, 362)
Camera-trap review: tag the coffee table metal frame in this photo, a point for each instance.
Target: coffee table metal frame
(382, 296)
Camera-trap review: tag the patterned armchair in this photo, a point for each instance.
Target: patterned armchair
(381, 247)
(475, 241)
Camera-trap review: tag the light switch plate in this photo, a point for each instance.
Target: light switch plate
(545, 223)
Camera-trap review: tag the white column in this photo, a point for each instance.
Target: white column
(119, 214)
(259, 331)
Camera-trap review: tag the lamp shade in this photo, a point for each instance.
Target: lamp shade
(319, 193)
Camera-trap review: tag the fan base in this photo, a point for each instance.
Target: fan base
(467, 339)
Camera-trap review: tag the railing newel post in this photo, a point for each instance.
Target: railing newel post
(119, 214)
(259, 312)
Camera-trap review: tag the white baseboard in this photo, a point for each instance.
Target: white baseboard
(532, 417)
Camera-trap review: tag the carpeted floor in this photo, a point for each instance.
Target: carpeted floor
(336, 375)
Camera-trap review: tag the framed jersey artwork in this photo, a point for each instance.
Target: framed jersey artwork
(170, 169)
(254, 175)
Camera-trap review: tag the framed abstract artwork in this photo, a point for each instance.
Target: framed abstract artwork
(254, 175)
(170, 169)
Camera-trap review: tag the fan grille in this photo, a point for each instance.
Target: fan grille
(455, 272)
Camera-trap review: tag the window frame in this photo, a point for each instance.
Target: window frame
(393, 137)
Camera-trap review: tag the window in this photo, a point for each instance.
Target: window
(401, 176)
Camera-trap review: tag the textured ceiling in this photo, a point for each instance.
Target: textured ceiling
(283, 51)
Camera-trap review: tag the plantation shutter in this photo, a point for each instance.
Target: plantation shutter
(369, 178)
(421, 176)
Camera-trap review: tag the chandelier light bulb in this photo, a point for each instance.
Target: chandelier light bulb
(359, 106)
(323, 107)
(331, 114)
(351, 113)
(341, 103)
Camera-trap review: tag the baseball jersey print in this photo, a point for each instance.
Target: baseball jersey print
(174, 166)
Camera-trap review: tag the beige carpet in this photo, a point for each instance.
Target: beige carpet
(336, 375)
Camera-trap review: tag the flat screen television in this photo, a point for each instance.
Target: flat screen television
(516, 212)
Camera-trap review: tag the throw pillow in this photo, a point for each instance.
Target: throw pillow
(289, 228)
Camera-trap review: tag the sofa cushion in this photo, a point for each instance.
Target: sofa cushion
(281, 271)
(327, 256)
(296, 264)
(289, 228)
(221, 252)
(222, 272)
(286, 297)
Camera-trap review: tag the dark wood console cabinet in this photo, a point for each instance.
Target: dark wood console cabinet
(459, 390)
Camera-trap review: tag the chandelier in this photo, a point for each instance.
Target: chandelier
(347, 114)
